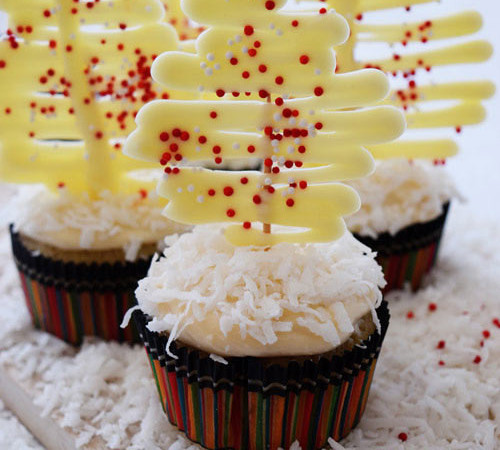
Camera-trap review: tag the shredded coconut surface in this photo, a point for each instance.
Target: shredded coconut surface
(106, 391)
(109, 222)
(253, 301)
(398, 194)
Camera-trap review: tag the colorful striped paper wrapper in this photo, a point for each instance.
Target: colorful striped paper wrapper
(72, 300)
(254, 403)
(408, 256)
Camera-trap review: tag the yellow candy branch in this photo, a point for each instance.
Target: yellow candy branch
(74, 76)
(466, 96)
(272, 71)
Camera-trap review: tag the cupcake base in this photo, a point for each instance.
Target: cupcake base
(258, 403)
(75, 299)
(409, 255)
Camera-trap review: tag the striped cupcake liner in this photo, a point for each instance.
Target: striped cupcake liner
(254, 403)
(409, 255)
(72, 300)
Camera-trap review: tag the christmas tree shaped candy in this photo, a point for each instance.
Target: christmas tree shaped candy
(74, 73)
(300, 119)
(270, 316)
(63, 120)
(459, 103)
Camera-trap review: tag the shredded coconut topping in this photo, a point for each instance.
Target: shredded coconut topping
(268, 294)
(111, 221)
(400, 193)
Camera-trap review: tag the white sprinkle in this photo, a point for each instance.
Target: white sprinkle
(291, 180)
(198, 148)
(281, 160)
(272, 26)
(190, 188)
(217, 66)
(179, 190)
(238, 38)
(297, 141)
(236, 146)
(230, 42)
(244, 49)
(290, 149)
(291, 191)
(277, 117)
(210, 56)
(229, 55)
(279, 32)
(312, 112)
(303, 123)
(201, 88)
(267, 181)
(203, 65)
(275, 142)
(317, 71)
(196, 129)
(209, 71)
(292, 121)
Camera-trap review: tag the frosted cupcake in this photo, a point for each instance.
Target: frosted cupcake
(81, 243)
(260, 347)
(265, 332)
(79, 259)
(402, 217)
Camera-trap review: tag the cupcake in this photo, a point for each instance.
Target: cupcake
(402, 217)
(79, 260)
(265, 331)
(261, 347)
(82, 242)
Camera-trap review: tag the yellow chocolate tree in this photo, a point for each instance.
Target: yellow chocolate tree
(73, 75)
(297, 114)
(455, 103)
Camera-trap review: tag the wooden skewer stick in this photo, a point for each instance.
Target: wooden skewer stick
(266, 227)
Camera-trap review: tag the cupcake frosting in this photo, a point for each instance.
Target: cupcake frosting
(283, 300)
(398, 194)
(109, 222)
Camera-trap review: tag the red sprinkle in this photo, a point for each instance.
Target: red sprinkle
(486, 334)
(441, 345)
(230, 212)
(410, 315)
(432, 307)
(402, 437)
(477, 359)
(228, 191)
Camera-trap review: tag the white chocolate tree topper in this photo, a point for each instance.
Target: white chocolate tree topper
(278, 100)
(74, 74)
(458, 102)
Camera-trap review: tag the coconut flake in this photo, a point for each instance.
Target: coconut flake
(398, 194)
(218, 358)
(254, 289)
(110, 221)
